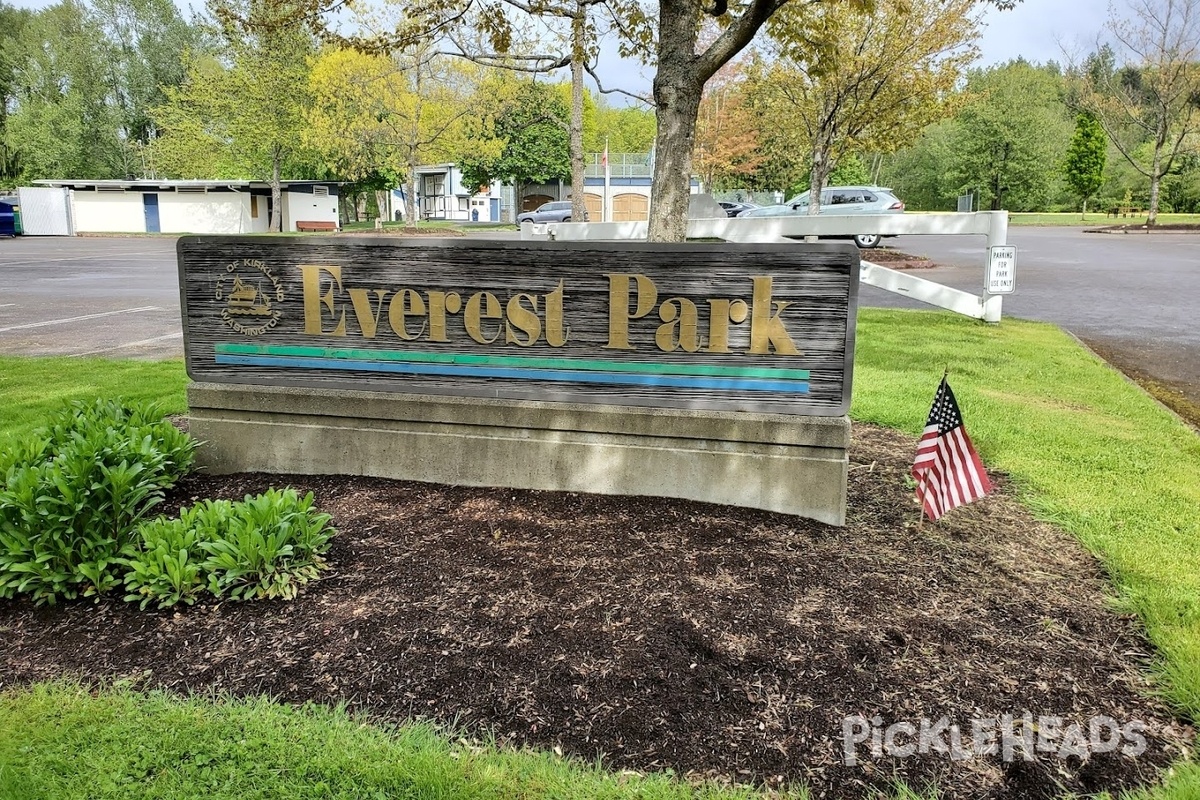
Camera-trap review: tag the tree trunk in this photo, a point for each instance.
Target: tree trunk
(673, 161)
(817, 176)
(816, 179)
(678, 86)
(1155, 184)
(578, 54)
(381, 204)
(410, 196)
(276, 193)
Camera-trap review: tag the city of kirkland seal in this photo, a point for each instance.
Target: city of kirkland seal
(252, 295)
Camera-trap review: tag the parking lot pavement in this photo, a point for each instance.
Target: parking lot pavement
(113, 297)
(1130, 297)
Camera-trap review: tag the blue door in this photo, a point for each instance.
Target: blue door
(495, 209)
(150, 204)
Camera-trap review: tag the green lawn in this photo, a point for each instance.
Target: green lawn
(30, 387)
(59, 742)
(1075, 218)
(1084, 447)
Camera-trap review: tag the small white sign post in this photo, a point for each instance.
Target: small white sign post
(1002, 270)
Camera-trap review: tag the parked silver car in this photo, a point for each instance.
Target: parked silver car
(840, 200)
(554, 211)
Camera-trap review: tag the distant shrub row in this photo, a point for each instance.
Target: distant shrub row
(75, 499)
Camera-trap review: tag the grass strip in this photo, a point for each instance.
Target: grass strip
(61, 741)
(32, 388)
(1101, 219)
(1087, 450)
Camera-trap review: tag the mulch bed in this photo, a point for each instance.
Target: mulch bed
(887, 257)
(714, 641)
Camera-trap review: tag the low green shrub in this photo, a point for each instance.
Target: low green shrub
(72, 494)
(164, 562)
(261, 547)
(272, 544)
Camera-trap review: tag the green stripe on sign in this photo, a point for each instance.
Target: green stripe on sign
(513, 361)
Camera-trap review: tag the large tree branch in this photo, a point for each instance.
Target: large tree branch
(600, 87)
(735, 38)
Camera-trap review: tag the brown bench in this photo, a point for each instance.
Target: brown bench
(316, 225)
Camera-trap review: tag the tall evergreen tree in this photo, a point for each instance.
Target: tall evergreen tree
(1086, 156)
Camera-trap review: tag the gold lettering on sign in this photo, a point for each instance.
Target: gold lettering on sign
(368, 320)
(766, 329)
(618, 306)
(473, 316)
(523, 319)
(556, 333)
(441, 303)
(679, 328)
(720, 313)
(313, 300)
(406, 303)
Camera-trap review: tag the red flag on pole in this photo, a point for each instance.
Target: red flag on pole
(947, 468)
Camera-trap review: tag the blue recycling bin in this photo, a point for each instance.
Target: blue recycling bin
(8, 219)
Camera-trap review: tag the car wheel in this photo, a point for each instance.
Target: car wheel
(566, 219)
(867, 240)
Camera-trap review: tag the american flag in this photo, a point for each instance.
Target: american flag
(947, 468)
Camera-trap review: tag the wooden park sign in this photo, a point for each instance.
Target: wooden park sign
(715, 372)
(766, 328)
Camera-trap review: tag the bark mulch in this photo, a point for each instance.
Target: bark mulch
(895, 259)
(714, 641)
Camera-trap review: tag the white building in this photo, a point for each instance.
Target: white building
(150, 206)
(442, 195)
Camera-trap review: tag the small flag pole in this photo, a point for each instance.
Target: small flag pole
(606, 213)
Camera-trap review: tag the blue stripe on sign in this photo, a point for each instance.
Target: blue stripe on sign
(557, 375)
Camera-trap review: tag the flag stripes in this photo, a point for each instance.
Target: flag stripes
(947, 468)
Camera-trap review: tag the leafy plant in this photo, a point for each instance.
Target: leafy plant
(164, 563)
(270, 546)
(72, 494)
(264, 546)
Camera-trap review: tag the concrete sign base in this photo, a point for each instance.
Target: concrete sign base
(776, 462)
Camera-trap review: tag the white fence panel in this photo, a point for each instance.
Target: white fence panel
(45, 211)
(991, 224)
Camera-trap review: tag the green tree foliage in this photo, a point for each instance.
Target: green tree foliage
(875, 79)
(1011, 134)
(626, 129)
(242, 113)
(12, 25)
(77, 83)
(63, 123)
(524, 141)
(387, 115)
(924, 175)
(1149, 104)
(146, 39)
(1086, 155)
